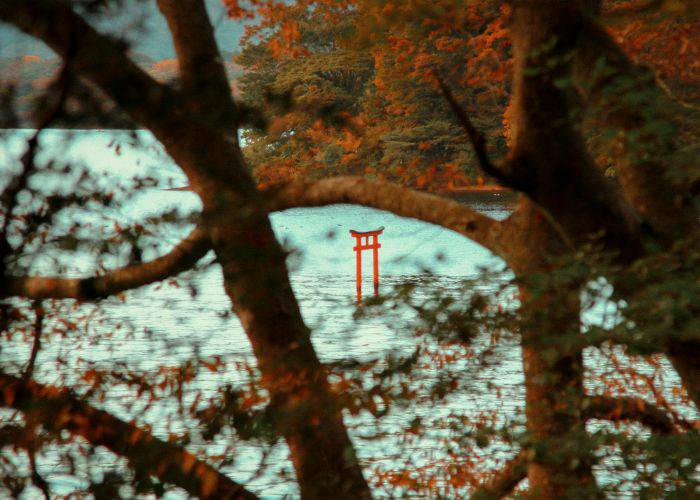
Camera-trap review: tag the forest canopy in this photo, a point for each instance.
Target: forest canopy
(362, 77)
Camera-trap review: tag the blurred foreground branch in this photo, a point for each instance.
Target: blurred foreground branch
(181, 258)
(59, 409)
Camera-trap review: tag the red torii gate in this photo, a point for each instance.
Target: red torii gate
(362, 243)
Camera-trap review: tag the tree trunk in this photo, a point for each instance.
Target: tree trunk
(560, 461)
(253, 262)
(561, 466)
(256, 280)
(614, 100)
(549, 158)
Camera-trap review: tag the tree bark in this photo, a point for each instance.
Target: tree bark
(255, 277)
(503, 482)
(622, 96)
(612, 96)
(559, 461)
(550, 163)
(181, 258)
(393, 198)
(255, 274)
(58, 409)
(549, 160)
(202, 72)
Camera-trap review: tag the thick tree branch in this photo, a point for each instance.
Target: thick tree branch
(193, 141)
(181, 258)
(253, 262)
(504, 481)
(549, 159)
(612, 95)
(58, 409)
(201, 70)
(621, 95)
(390, 197)
(628, 408)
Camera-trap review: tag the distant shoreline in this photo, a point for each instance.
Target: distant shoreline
(480, 193)
(483, 193)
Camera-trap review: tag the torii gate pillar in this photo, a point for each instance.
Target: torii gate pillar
(362, 242)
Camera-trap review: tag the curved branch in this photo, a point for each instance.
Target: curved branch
(505, 480)
(59, 409)
(476, 138)
(628, 408)
(390, 197)
(181, 258)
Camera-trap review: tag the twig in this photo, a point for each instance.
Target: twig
(38, 330)
(475, 137)
(629, 408)
(38, 481)
(669, 93)
(505, 480)
(633, 10)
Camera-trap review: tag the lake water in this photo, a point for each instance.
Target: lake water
(163, 325)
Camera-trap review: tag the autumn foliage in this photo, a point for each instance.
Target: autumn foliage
(361, 77)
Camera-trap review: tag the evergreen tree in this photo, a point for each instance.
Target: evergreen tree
(362, 96)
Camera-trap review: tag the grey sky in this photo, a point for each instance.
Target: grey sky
(140, 22)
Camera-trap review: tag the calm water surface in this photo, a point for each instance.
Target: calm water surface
(165, 325)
